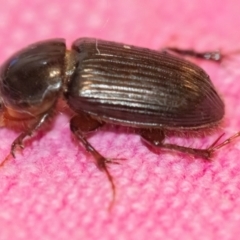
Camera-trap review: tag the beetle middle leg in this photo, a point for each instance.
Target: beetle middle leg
(155, 137)
(82, 124)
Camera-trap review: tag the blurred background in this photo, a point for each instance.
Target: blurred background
(52, 190)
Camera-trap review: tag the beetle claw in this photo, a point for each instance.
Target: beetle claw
(114, 161)
(5, 160)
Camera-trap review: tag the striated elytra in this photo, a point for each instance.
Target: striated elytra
(102, 81)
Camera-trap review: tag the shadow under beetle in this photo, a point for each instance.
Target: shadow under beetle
(102, 81)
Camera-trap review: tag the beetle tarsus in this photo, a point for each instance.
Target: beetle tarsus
(215, 147)
(215, 56)
(101, 164)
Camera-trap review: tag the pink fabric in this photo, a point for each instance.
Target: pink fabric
(52, 190)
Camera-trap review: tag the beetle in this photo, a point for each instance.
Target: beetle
(107, 82)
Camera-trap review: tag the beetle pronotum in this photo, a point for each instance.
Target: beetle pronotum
(102, 81)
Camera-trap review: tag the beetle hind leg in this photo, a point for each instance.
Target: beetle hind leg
(155, 138)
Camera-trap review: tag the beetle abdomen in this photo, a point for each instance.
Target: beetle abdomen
(141, 87)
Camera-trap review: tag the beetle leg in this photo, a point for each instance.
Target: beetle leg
(18, 142)
(156, 137)
(212, 56)
(82, 124)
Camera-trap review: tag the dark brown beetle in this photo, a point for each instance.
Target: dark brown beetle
(103, 81)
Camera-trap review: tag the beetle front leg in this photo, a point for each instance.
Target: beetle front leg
(82, 124)
(18, 142)
(156, 137)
